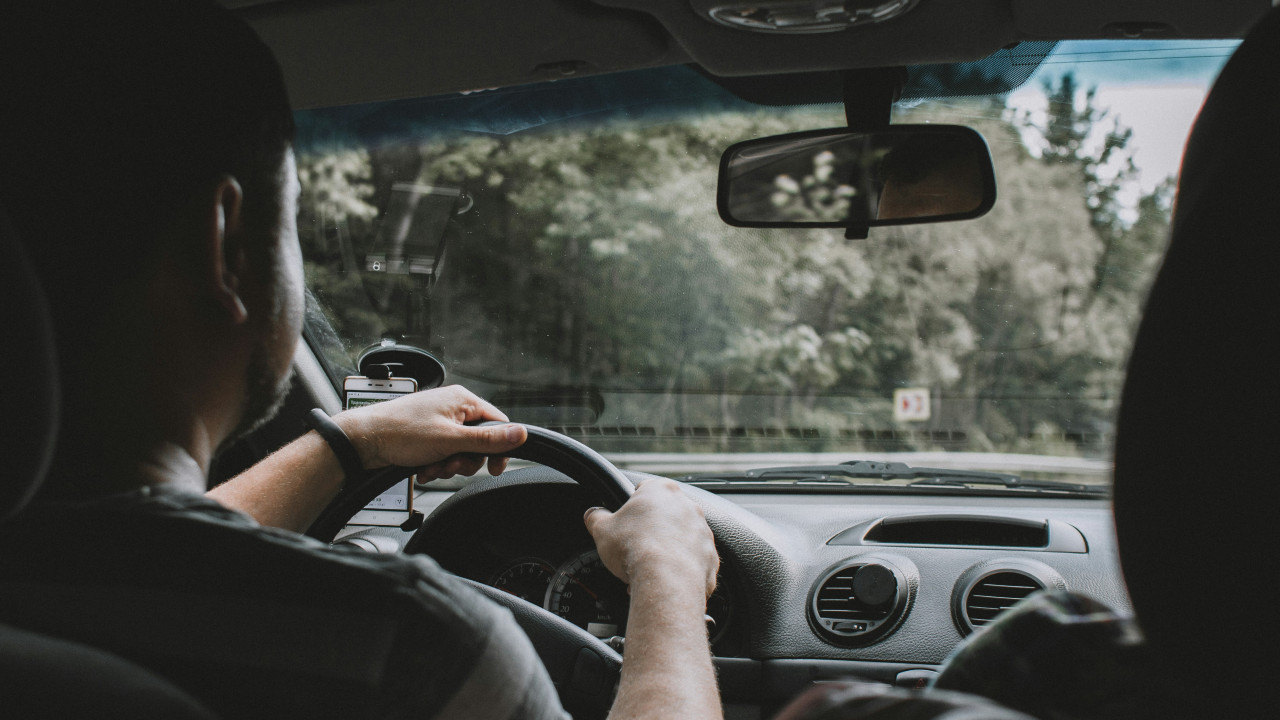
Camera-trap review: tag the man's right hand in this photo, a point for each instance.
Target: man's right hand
(659, 530)
(659, 544)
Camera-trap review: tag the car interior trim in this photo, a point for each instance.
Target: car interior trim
(972, 531)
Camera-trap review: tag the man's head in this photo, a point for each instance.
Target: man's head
(145, 160)
(930, 176)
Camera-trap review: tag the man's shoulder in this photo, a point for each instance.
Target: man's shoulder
(179, 541)
(187, 584)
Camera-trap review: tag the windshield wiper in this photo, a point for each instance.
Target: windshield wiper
(838, 476)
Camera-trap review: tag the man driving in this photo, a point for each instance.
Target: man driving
(147, 167)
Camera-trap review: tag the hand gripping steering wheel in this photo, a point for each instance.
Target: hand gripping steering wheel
(585, 670)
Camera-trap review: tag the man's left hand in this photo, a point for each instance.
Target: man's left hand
(427, 429)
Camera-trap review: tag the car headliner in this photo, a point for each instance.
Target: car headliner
(337, 52)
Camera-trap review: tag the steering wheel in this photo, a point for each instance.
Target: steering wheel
(584, 670)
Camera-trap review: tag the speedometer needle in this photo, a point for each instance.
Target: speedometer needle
(584, 587)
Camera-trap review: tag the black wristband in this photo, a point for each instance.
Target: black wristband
(338, 441)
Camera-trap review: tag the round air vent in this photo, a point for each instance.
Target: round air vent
(857, 603)
(996, 593)
(986, 591)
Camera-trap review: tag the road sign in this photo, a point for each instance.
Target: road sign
(911, 404)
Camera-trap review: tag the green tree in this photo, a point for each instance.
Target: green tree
(593, 256)
(1105, 164)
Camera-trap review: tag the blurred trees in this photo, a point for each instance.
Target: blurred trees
(593, 256)
(1071, 137)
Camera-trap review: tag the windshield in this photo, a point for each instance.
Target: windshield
(557, 247)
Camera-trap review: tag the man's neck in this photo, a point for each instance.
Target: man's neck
(172, 465)
(113, 456)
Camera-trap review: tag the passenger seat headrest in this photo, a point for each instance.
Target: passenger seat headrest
(1197, 486)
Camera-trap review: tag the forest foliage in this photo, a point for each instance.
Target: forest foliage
(590, 257)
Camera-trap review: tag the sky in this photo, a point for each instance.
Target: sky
(1154, 87)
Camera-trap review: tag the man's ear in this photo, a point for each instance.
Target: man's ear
(225, 258)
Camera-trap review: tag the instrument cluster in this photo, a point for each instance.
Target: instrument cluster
(581, 589)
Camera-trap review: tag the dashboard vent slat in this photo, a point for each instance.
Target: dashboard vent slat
(995, 594)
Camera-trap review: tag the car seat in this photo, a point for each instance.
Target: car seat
(1195, 488)
(46, 677)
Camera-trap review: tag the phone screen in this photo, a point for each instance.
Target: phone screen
(394, 505)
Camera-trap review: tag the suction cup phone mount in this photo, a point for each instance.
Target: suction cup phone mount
(389, 358)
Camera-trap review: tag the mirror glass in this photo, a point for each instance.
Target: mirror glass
(837, 178)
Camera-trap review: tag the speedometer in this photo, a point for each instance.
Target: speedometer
(585, 593)
(526, 578)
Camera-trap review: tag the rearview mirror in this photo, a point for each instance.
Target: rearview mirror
(838, 178)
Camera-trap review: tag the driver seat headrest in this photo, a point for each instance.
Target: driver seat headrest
(49, 677)
(28, 365)
(1195, 481)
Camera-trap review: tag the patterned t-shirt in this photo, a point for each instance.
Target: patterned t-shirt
(258, 622)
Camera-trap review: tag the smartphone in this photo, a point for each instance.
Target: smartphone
(394, 506)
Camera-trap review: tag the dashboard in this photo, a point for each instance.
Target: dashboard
(812, 586)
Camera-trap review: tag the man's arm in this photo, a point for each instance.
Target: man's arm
(659, 544)
(289, 488)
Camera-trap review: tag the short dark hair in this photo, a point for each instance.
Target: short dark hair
(915, 159)
(113, 114)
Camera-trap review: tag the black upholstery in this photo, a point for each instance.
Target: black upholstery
(29, 367)
(41, 676)
(1196, 490)
(49, 678)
